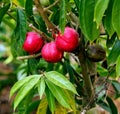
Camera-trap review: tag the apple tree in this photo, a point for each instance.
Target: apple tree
(67, 54)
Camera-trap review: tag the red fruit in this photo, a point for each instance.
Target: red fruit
(33, 42)
(68, 41)
(51, 53)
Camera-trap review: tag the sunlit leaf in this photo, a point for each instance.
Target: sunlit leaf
(50, 99)
(19, 2)
(58, 94)
(60, 80)
(71, 101)
(86, 16)
(42, 108)
(100, 7)
(116, 16)
(3, 11)
(25, 89)
(41, 87)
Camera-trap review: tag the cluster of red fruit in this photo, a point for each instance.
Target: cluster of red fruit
(52, 51)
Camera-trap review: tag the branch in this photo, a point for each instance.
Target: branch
(51, 26)
(28, 56)
(88, 87)
(43, 35)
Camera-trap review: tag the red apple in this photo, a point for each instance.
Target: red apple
(33, 42)
(51, 53)
(67, 41)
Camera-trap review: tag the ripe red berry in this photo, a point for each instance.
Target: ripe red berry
(68, 41)
(33, 42)
(51, 53)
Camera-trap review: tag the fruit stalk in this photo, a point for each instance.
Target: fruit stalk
(43, 35)
(49, 24)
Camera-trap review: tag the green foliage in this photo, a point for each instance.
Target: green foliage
(112, 106)
(62, 15)
(59, 80)
(86, 17)
(61, 87)
(3, 11)
(20, 33)
(114, 53)
(116, 17)
(100, 8)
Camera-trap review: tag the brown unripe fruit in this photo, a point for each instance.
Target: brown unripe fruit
(95, 53)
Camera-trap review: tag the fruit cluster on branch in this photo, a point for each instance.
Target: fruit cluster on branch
(52, 51)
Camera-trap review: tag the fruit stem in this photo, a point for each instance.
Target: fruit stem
(49, 24)
(28, 56)
(88, 87)
(42, 34)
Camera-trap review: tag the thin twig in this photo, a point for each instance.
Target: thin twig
(43, 35)
(49, 24)
(28, 56)
(50, 6)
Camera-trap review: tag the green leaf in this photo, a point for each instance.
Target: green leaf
(102, 71)
(104, 105)
(116, 16)
(3, 11)
(116, 85)
(29, 8)
(60, 109)
(19, 84)
(20, 33)
(112, 106)
(25, 89)
(70, 71)
(86, 16)
(32, 106)
(118, 67)
(100, 7)
(108, 19)
(71, 101)
(50, 99)
(58, 94)
(62, 20)
(41, 87)
(112, 57)
(42, 108)
(60, 80)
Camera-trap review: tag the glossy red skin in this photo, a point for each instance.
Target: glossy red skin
(51, 53)
(68, 41)
(33, 42)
